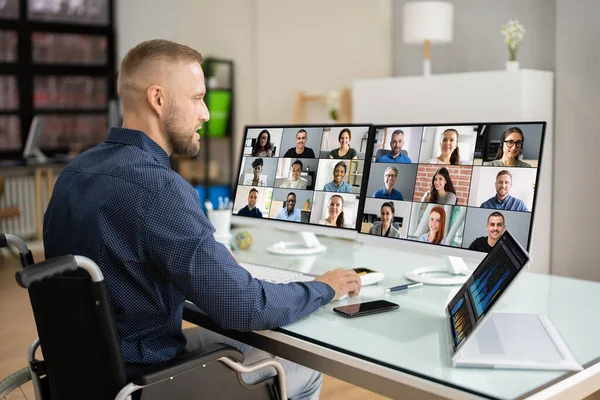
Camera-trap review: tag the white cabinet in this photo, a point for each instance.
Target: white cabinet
(494, 96)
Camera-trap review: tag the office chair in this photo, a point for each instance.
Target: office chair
(382, 152)
(82, 355)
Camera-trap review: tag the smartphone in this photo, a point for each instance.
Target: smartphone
(370, 307)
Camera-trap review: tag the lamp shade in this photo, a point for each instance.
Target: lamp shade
(428, 20)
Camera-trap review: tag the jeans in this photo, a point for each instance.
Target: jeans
(302, 383)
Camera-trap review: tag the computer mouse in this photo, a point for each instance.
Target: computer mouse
(371, 278)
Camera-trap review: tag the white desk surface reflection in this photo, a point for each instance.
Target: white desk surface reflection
(410, 345)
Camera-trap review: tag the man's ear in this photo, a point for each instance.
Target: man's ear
(155, 95)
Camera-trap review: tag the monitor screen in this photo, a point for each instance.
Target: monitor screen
(458, 185)
(302, 175)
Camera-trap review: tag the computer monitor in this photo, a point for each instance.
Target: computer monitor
(301, 178)
(32, 153)
(451, 185)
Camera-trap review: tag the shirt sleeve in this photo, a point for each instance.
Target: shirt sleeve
(179, 241)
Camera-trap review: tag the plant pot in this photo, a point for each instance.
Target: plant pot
(512, 66)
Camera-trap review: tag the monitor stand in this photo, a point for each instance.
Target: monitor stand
(309, 245)
(455, 272)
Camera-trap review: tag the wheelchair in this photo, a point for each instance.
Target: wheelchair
(82, 354)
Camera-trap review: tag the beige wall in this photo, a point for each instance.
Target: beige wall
(278, 46)
(317, 46)
(222, 29)
(576, 192)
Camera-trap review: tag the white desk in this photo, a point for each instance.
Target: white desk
(405, 353)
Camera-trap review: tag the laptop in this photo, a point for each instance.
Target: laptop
(480, 338)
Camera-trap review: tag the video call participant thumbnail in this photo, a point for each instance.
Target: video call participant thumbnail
(300, 151)
(344, 152)
(495, 226)
(503, 200)
(250, 210)
(388, 192)
(396, 144)
(295, 182)
(290, 212)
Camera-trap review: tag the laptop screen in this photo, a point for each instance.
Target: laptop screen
(485, 286)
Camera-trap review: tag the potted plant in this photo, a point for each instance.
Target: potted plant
(513, 33)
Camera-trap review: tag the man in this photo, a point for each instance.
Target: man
(388, 192)
(121, 205)
(300, 151)
(250, 210)
(295, 182)
(290, 212)
(495, 227)
(503, 200)
(396, 144)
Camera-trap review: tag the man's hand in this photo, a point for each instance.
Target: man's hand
(342, 281)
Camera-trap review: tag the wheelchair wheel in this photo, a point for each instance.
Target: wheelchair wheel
(13, 383)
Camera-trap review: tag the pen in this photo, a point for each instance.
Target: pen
(403, 287)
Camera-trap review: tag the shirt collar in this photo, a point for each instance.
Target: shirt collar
(139, 139)
(504, 200)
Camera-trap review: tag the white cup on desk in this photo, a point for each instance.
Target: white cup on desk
(221, 221)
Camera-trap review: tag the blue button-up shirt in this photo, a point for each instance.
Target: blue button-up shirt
(296, 214)
(383, 194)
(401, 158)
(509, 203)
(121, 205)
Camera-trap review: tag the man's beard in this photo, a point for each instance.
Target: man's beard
(180, 141)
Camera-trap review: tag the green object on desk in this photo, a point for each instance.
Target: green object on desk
(219, 102)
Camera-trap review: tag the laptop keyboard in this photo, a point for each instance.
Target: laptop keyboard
(275, 275)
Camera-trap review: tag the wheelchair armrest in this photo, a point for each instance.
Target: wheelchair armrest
(185, 362)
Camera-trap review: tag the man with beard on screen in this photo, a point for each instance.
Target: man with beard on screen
(495, 227)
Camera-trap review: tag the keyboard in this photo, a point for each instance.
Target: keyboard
(275, 275)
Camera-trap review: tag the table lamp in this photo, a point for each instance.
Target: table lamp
(428, 22)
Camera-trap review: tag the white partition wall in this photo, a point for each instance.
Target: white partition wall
(494, 96)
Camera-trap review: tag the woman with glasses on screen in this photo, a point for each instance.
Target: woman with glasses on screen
(449, 151)
(437, 227)
(512, 146)
(344, 151)
(338, 184)
(263, 146)
(335, 211)
(442, 190)
(385, 227)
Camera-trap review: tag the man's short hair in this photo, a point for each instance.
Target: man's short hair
(149, 52)
(290, 194)
(298, 162)
(504, 172)
(393, 169)
(397, 132)
(496, 214)
(252, 190)
(300, 131)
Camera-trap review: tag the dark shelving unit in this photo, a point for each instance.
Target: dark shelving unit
(53, 30)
